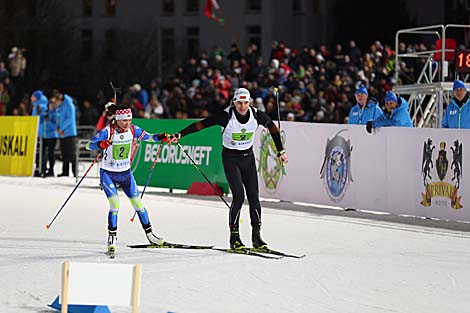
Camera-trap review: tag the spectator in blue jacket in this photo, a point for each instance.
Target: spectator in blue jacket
(366, 109)
(39, 101)
(50, 136)
(396, 113)
(67, 130)
(141, 94)
(457, 114)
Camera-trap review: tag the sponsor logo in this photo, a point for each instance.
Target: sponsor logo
(336, 168)
(442, 189)
(269, 165)
(13, 145)
(171, 154)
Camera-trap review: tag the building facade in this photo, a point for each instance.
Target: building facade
(179, 28)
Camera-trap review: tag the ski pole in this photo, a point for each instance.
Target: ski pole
(204, 175)
(148, 177)
(276, 91)
(76, 186)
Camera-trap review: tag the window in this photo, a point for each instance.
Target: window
(31, 8)
(87, 44)
(17, 8)
(110, 38)
(111, 7)
(10, 8)
(192, 6)
(192, 34)
(168, 46)
(87, 7)
(192, 31)
(253, 6)
(297, 7)
(316, 7)
(168, 7)
(254, 35)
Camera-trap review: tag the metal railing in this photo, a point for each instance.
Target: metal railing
(39, 156)
(84, 134)
(432, 87)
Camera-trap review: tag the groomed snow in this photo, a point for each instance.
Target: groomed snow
(352, 264)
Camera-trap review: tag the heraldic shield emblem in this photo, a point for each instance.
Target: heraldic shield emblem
(336, 167)
(442, 163)
(446, 187)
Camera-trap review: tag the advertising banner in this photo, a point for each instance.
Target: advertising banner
(174, 169)
(397, 170)
(18, 135)
(439, 184)
(323, 167)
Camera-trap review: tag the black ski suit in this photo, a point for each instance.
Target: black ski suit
(239, 165)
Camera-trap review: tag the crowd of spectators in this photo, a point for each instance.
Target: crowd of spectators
(315, 84)
(12, 72)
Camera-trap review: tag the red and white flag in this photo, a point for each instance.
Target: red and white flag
(210, 11)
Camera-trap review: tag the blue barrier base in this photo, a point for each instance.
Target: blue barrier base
(75, 308)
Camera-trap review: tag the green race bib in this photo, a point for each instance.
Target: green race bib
(241, 136)
(121, 152)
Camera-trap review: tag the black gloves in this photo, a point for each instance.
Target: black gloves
(177, 136)
(369, 127)
(281, 153)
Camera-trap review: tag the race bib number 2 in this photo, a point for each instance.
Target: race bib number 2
(121, 152)
(242, 136)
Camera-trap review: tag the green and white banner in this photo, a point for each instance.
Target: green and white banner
(174, 169)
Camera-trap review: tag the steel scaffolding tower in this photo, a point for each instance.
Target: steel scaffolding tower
(433, 86)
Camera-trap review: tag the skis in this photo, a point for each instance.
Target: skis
(265, 253)
(276, 252)
(169, 245)
(247, 251)
(185, 246)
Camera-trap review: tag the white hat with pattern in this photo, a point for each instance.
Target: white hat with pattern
(242, 94)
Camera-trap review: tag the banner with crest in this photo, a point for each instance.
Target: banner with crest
(398, 170)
